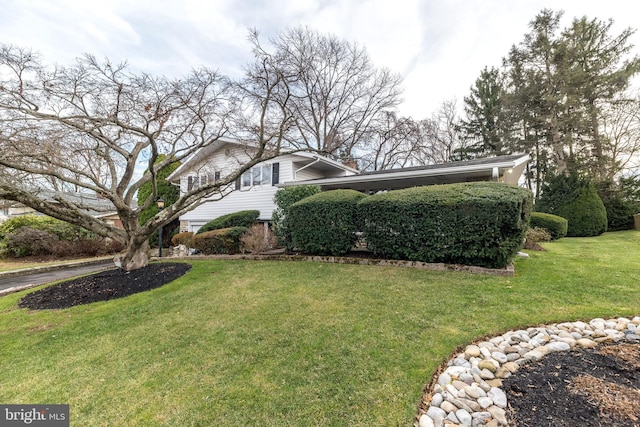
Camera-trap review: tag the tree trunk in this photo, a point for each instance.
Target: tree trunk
(137, 255)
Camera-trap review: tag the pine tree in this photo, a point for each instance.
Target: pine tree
(483, 108)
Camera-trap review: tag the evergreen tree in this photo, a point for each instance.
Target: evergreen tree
(596, 72)
(558, 87)
(483, 108)
(575, 199)
(165, 190)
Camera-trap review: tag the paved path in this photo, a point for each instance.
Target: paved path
(37, 277)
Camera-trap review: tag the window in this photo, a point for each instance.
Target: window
(197, 181)
(261, 175)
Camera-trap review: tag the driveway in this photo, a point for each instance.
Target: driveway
(38, 277)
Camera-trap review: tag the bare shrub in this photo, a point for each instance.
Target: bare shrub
(26, 241)
(256, 240)
(534, 236)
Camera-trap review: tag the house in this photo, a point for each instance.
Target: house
(257, 186)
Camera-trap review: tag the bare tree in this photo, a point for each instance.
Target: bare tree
(90, 126)
(621, 131)
(394, 142)
(335, 94)
(444, 139)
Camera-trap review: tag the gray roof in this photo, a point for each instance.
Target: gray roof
(505, 168)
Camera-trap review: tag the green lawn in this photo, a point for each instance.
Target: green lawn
(262, 343)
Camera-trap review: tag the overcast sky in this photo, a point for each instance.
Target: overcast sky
(438, 46)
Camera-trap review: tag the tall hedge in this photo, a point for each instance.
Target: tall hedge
(481, 223)
(236, 219)
(576, 200)
(325, 223)
(284, 198)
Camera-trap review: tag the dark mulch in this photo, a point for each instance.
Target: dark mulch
(104, 286)
(579, 388)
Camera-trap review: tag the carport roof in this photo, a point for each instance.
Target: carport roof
(503, 168)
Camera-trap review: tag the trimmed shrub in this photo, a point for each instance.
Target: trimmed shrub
(236, 219)
(220, 241)
(284, 198)
(478, 223)
(325, 223)
(576, 200)
(185, 238)
(554, 224)
(257, 240)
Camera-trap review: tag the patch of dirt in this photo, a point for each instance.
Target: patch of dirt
(103, 286)
(533, 246)
(579, 388)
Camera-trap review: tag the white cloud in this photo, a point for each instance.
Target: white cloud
(439, 47)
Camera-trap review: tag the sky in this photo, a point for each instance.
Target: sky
(439, 47)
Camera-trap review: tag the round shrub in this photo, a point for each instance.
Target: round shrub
(220, 241)
(325, 223)
(554, 224)
(185, 238)
(236, 219)
(576, 200)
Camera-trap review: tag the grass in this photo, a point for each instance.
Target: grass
(293, 343)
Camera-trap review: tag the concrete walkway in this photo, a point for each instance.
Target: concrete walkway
(17, 280)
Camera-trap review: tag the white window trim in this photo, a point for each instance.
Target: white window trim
(255, 176)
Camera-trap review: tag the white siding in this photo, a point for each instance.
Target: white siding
(225, 161)
(259, 198)
(256, 197)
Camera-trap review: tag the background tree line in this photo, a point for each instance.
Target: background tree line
(563, 96)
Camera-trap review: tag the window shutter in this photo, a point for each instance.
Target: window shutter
(238, 184)
(275, 173)
(190, 183)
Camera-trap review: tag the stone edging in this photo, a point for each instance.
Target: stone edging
(467, 392)
(507, 271)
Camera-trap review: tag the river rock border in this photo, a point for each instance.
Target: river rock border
(468, 390)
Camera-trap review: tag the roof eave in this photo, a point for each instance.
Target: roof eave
(390, 176)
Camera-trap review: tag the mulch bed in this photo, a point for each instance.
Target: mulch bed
(104, 286)
(579, 388)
